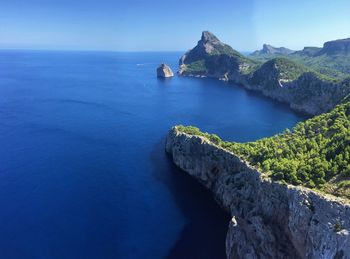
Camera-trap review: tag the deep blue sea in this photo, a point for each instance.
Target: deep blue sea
(83, 172)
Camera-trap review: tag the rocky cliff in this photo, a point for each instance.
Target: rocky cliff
(304, 91)
(281, 79)
(336, 47)
(269, 220)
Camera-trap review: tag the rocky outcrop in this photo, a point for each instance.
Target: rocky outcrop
(164, 71)
(307, 51)
(212, 58)
(270, 50)
(269, 220)
(336, 47)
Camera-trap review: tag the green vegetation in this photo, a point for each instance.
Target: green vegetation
(225, 49)
(289, 69)
(278, 68)
(331, 66)
(316, 153)
(337, 227)
(197, 66)
(336, 66)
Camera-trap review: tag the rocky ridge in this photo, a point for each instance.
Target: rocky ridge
(270, 50)
(269, 219)
(336, 47)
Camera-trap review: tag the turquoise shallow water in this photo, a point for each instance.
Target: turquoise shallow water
(83, 172)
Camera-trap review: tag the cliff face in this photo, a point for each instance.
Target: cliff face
(336, 47)
(269, 220)
(305, 92)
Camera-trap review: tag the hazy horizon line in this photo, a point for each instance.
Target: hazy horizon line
(98, 50)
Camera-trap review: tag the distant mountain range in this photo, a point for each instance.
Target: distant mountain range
(336, 47)
(332, 60)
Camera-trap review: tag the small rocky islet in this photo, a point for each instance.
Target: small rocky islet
(294, 204)
(164, 71)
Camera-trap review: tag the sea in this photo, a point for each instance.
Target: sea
(83, 168)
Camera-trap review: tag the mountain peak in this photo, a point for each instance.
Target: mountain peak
(207, 36)
(210, 52)
(210, 44)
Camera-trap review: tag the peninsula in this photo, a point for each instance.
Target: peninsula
(276, 73)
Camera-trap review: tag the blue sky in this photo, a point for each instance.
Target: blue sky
(151, 25)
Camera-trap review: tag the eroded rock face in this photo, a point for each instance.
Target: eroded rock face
(164, 71)
(270, 220)
(336, 47)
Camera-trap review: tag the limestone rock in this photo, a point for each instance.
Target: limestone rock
(336, 47)
(269, 220)
(212, 58)
(164, 71)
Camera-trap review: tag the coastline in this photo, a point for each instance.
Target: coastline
(309, 108)
(269, 219)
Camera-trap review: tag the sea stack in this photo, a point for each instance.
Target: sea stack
(164, 71)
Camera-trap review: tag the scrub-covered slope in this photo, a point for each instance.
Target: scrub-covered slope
(315, 154)
(332, 60)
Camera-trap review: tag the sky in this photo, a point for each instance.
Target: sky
(176, 25)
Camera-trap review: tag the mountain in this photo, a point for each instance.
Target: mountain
(333, 59)
(212, 58)
(270, 50)
(277, 71)
(308, 51)
(300, 80)
(330, 48)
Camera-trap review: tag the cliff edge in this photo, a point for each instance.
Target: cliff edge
(269, 219)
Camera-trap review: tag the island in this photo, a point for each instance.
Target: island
(164, 71)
